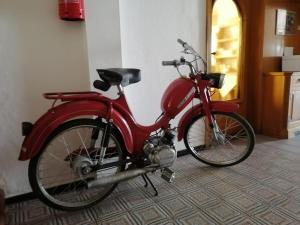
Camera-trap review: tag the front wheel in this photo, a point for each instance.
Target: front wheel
(232, 144)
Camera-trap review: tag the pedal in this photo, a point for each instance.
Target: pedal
(168, 175)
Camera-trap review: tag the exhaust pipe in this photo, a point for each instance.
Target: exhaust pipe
(119, 177)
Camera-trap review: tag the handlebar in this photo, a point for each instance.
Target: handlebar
(187, 47)
(171, 63)
(187, 50)
(181, 42)
(177, 63)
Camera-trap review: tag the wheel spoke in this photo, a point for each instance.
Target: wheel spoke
(67, 146)
(83, 143)
(56, 158)
(61, 181)
(236, 144)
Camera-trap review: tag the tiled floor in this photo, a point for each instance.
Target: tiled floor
(265, 189)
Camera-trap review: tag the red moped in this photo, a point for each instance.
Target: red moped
(81, 149)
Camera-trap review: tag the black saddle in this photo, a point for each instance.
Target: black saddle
(120, 76)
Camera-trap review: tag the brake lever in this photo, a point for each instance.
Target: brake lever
(186, 51)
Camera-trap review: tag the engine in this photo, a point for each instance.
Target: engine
(160, 150)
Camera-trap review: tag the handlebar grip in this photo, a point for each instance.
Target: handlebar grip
(170, 63)
(181, 42)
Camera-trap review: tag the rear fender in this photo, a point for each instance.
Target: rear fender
(56, 116)
(216, 106)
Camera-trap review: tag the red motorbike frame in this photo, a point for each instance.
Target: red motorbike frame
(78, 104)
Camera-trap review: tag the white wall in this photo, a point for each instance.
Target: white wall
(103, 37)
(38, 53)
(149, 30)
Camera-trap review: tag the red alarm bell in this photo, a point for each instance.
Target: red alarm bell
(72, 10)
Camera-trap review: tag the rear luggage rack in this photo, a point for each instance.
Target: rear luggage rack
(71, 96)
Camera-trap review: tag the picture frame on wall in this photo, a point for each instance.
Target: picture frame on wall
(285, 22)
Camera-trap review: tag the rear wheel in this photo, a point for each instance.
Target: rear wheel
(60, 172)
(234, 143)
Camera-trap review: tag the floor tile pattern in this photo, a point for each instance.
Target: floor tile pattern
(265, 189)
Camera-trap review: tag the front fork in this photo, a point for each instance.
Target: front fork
(217, 133)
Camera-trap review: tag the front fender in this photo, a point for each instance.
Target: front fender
(46, 124)
(216, 106)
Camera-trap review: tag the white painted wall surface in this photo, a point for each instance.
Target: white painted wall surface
(103, 37)
(38, 53)
(149, 30)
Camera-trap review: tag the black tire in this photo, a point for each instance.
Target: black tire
(204, 146)
(44, 193)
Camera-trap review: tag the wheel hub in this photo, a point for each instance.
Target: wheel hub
(81, 165)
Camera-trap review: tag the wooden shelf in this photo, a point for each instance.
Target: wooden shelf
(226, 57)
(231, 73)
(224, 40)
(229, 25)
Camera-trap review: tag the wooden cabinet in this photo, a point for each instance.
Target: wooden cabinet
(294, 106)
(281, 104)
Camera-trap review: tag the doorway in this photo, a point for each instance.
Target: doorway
(225, 45)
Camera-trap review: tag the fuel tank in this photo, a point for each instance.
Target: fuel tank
(177, 96)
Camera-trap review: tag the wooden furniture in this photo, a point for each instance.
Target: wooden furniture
(225, 38)
(294, 106)
(227, 59)
(251, 69)
(281, 104)
(1, 207)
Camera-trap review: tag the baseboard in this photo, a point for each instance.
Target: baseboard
(31, 195)
(183, 153)
(20, 198)
(2, 210)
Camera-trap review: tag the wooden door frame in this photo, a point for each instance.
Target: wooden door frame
(241, 69)
(252, 14)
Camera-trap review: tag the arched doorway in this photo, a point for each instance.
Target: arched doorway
(225, 44)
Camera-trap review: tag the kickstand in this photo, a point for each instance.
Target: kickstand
(146, 183)
(147, 180)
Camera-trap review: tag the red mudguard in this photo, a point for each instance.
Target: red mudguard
(216, 106)
(56, 116)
